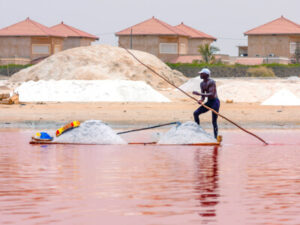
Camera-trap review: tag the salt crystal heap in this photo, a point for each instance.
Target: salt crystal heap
(282, 97)
(88, 91)
(100, 62)
(91, 132)
(187, 133)
(247, 89)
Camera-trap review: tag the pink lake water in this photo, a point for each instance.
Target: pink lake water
(241, 182)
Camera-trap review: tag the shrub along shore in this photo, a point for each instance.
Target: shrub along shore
(222, 70)
(10, 69)
(218, 70)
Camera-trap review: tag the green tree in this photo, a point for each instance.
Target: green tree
(207, 52)
(297, 53)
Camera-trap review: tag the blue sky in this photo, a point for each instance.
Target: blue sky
(225, 20)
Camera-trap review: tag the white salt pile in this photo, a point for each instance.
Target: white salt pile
(192, 84)
(88, 91)
(232, 89)
(187, 133)
(293, 78)
(100, 62)
(91, 132)
(282, 97)
(240, 91)
(247, 89)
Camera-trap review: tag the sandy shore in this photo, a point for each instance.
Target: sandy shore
(250, 115)
(118, 114)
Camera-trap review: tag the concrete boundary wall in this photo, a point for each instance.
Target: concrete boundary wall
(223, 71)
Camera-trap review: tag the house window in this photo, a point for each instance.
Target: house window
(168, 48)
(40, 49)
(57, 48)
(293, 47)
(182, 49)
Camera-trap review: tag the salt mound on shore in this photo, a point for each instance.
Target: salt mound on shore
(241, 91)
(246, 89)
(187, 133)
(91, 132)
(234, 89)
(193, 84)
(100, 62)
(88, 91)
(282, 97)
(293, 78)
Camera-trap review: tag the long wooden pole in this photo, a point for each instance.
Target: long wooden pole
(146, 128)
(165, 79)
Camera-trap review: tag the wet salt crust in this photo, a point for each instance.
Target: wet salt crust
(88, 91)
(91, 132)
(187, 133)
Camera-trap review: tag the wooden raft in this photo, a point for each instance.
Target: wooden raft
(36, 142)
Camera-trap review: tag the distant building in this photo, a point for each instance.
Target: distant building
(278, 38)
(243, 50)
(73, 36)
(28, 41)
(163, 40)
(195, 39)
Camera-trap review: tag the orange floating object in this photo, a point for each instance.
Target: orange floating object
(67, 127)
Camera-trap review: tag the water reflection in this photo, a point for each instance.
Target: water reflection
(232, 184)
(207, 182)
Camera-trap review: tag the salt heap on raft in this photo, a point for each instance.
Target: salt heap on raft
(187, 133)
(91, 132)
(96, 132)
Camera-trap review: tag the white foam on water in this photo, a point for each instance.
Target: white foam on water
(282, 97)
(187, 133)
(90, 132)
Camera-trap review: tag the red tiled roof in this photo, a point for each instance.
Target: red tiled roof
(69, 31)
(278, 26)
(193, 33)
(249, 61)
(28, 27)
(152, 26)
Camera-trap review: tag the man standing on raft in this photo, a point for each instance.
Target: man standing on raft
(209, 90)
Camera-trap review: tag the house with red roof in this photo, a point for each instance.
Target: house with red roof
(163, 40)
(278, 38)
(29, 41)
(73, 36)
(196, 38)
